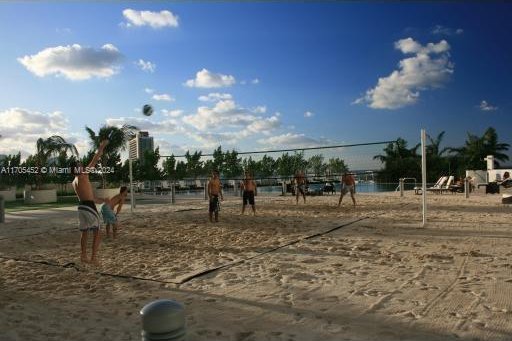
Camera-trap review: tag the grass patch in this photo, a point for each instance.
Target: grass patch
(19, 205)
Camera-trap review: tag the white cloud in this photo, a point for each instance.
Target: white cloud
(290, 140)
(215, 97)
(149, 91)
(439, 29)
(255, 81)
(212, 140)
(146, 65)
(74, 62)
(207, 79)
(228, 122)
(418, 73)
(264, 125)
(485, 106)
(261, 109)
(149, 18)
(223, 113)
(22, 127)
(167, 126)
(163, 97)
(167, 148)
(172, 113)
(309, 114)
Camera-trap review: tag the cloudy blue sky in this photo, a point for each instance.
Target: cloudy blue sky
(255, 75)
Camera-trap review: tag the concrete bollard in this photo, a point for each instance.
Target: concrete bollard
(401, 182)
(466, 187)
(2, 209)
(173, 194)
(163, 320)
(283, 188)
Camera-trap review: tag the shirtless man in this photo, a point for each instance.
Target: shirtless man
(348, 184)
(214, 191)
(249, 190)
(107, 210)
(300, 186)
(89, 219)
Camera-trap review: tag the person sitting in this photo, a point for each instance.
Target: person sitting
(507, 181)
(458, 186)
(329, 188)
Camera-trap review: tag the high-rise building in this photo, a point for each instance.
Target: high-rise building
(139, 144)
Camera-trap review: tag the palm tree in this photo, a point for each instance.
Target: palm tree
(47, 148)
(118, 139)
(399, 161)
(433, 147)
(437, 163)
(476, 148)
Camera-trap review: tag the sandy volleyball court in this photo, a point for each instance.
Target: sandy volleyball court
(306, 272)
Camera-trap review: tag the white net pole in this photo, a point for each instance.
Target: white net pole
(132, 202)
(424, 175)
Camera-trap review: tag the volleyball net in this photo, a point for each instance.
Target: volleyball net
(187, 174)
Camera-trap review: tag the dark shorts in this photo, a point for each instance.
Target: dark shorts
(248, 197)
(301, 189)
(214, 204)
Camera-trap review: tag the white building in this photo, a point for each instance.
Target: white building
(139, 144)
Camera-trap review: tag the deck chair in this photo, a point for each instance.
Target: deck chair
(438, 184)
(449, 183)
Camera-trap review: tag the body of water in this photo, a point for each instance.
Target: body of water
(363, 187)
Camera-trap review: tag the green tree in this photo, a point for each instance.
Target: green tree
(118, 141)
(181, 170)
(316, 164)
(437, 163)
(149, 169)
(194, 164)
(399, 161)
(337, 166)
(267, 166)
(169, 167)
(8, 180)
(232, 166)
(218, 158)
(475, 149)
(46, 149)
(251, 166)
(288, 165)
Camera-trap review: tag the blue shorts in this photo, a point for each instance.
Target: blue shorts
(109, 216)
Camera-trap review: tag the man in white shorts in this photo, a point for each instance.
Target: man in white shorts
(348, 184)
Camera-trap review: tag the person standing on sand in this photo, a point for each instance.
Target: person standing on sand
(348, 184)
(214, 191)
(107, 211)
(300, 186)
(249, 190)
(88, 217)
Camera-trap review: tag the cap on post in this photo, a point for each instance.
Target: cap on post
(163, 320)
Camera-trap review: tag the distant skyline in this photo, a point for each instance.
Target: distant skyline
(256, 75)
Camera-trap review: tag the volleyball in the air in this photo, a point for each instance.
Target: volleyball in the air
(147, 110)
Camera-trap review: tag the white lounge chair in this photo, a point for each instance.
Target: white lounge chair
(449, 183)
(437, 185)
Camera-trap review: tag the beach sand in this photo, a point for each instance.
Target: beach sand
(293, 272)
